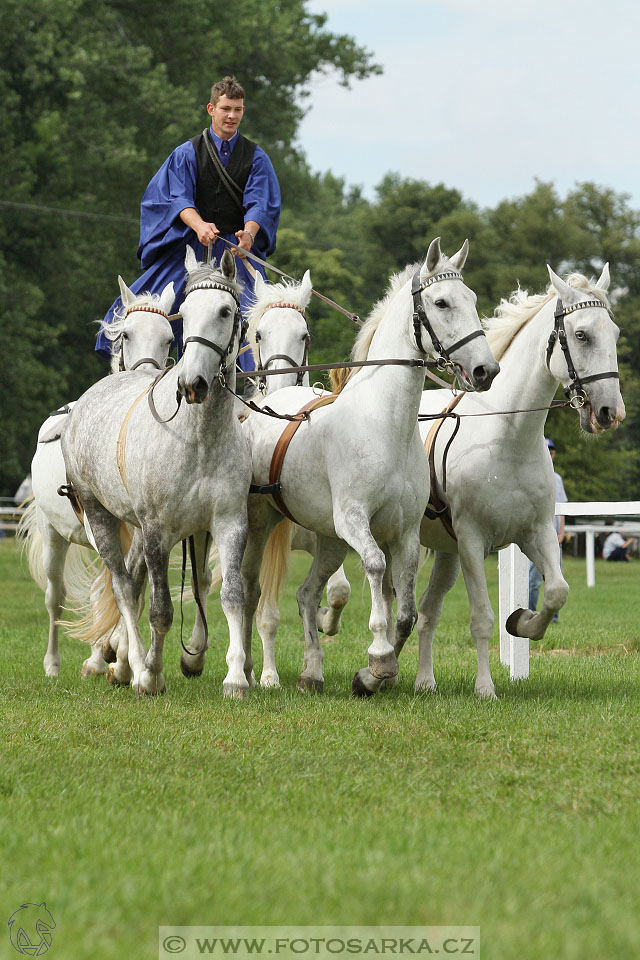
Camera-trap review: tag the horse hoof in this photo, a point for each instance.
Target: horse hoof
(251, 680)
(358, 688)
(383, 667)
(235, 690)
(51, 671)
(114, 680)
(188, 671)
(511, 626)
(389, 683)
(485, 693)
(270, 681)
(425, 686)
(310, 684)
(91, 670)
(108, 653)
(150, 684)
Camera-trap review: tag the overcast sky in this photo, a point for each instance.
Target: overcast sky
(484, 96)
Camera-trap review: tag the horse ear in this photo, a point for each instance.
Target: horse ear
(434, 255)
(459, 259)
(126, 295)
(259, 285)
(605, 279)
(565, 292)
(190, 259)
(228, 265)
(167, 297)
(306, 289)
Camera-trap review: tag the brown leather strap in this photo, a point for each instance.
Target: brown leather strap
(282, 446)
(440, 508)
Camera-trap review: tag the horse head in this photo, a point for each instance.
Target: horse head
(212, 325)
(143, 334)
(446, 309)
(278, 330)
(581, 351)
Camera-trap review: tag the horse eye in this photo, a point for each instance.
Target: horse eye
(581, 335)
(441, 304)
(225, 312)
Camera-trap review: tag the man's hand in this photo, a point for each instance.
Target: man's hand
(207, 231)
(245, 242)
(203, 230)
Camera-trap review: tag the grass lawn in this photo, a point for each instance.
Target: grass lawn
(520, 816)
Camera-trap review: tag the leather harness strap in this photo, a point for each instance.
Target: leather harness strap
(436, 509)
(121, 444)
(282, 446)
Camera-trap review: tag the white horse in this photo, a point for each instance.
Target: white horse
(499, 475)
(279, 338)
(356, 473)
(55, 539)
(172, 471)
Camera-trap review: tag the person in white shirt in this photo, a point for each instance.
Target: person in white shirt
(615, 546)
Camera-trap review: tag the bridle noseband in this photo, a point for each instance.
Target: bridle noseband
(262, 381)
(238, 325)
(575, 391)
(420, 319)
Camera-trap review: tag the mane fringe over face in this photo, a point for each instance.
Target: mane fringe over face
(515, 312)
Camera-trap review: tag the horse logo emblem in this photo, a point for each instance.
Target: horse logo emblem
(30, 929)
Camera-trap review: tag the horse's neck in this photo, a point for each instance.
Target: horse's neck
(391, 393)
(524, 383)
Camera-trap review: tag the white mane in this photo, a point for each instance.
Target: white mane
(514, 313)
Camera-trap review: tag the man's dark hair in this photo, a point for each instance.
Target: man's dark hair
(227, 87)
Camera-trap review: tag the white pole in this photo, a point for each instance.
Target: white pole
(513, 594)
(591, 553)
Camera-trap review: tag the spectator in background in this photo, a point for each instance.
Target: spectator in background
(615, 546)
(535, 577)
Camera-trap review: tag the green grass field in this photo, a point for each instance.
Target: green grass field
(520, 816)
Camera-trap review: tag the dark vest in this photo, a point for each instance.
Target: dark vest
(213, 200)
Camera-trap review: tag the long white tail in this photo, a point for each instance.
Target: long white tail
(97, 612)
(80, 567)
(274, 571)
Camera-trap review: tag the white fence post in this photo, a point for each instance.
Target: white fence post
(514, 593)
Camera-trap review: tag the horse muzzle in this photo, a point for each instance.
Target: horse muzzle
(195, 391)
(479, 378)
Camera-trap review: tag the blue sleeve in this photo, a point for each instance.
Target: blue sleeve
(262, 201)
(170, 191)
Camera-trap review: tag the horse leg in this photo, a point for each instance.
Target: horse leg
(267, 622)
(115, 647)
(338, 593)
(150, 680)
(544, 551)
(481, 622)
(230, 535)
(262, 519)
(352, 525)
(54, 552)
(328, 556)
(444, 573)
(192, 663)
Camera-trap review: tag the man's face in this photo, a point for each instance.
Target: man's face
(225, 116)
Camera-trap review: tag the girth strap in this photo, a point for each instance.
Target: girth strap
(436, 508)
(282, 446)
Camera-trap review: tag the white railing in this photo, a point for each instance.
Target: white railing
(9, 514)
(513, 571)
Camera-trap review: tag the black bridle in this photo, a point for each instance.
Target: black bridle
(239, 325)
(420, 318)
(575, 392)
(262, 380)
